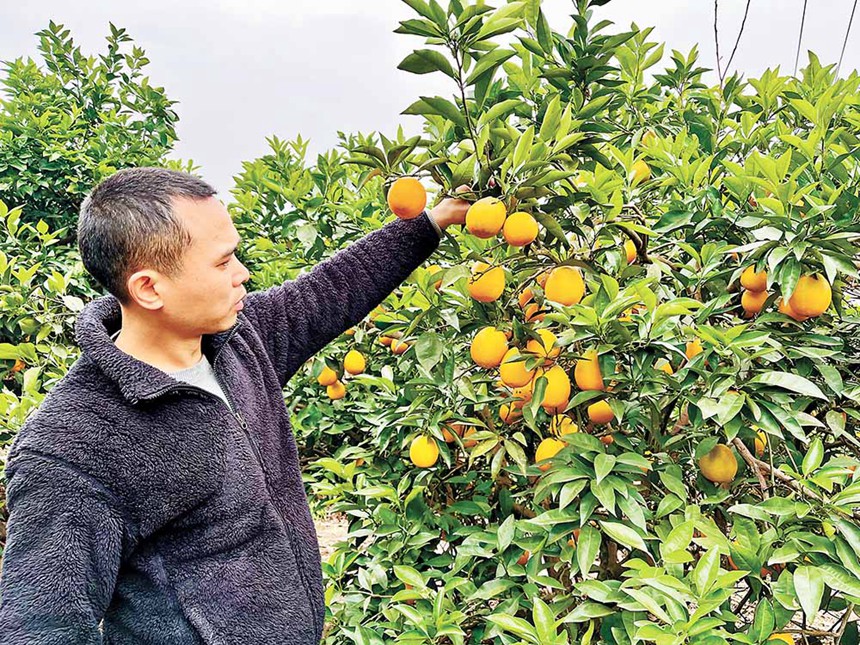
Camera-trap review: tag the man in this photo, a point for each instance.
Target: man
(155, 496)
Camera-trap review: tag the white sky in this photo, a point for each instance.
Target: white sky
(242, 70)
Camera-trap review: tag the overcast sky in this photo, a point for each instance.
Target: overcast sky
(242, 70)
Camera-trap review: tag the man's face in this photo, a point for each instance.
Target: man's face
(204, 298)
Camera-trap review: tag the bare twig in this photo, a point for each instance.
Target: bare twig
(717, 38)
(738, 40)
(800, 37)
(847, 32)
(747, 455)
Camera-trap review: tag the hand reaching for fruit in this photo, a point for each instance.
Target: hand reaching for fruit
(452, 210)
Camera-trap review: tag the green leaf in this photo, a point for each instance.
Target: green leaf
(603, 465)
(814, 456)
(424, 61)
(791, 382)
(409, 576)
(428, 349)
(506, 533)
(487, 62)
(705, 573)
(624, 535)
(809, 585)
(544, 620)
(500, 109)
(438, 106)
(587, 548)
(839, 579)
(515, 625)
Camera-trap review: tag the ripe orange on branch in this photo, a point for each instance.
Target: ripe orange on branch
(486, 283)
(565, 286)
(520, 229)
(486, 217)
(587, 372)
(489, 347)
(811, 297)
(752, 281)
(407, 198)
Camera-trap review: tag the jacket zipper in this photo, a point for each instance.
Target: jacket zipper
(244, 426)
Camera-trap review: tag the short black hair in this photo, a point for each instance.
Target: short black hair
(128, 223)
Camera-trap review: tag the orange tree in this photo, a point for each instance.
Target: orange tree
(638, 426)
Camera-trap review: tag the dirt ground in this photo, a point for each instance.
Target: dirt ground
(330, 530)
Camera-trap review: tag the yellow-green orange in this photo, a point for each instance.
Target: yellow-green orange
(812, 296)
(354, 362)
(587, 372)
(547, 449)
(486, 283)
(423, 451)
(565, 286)
(520, 229)
(514, 374)
(486, 217)
(719, 465)
(489, 347)
(407, 198)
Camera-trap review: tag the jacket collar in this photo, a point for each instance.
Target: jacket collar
(136, 380)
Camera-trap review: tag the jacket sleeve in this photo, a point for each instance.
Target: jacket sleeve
(63, 551)
(299, 317)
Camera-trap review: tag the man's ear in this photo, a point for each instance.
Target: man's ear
(144, 288)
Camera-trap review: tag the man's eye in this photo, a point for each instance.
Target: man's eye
(223, 264)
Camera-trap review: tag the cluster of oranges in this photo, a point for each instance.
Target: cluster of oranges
(811, 297)
(354, 363)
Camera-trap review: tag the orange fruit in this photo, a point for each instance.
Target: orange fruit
(607, 439)
(640, 172)
(753, 281)
(327, 377)
(486, 283)
(523, 395)
(350, 331)
(525, 297)
(433, 269)
(533, 313)
(812, 296)
(469, 443)
(523, 559)
(753, 301)
(547, 448)
(600, 413)
(514, 374)
(760, 443)
(562, 424)
(486, 217)
(448, 432)
(542, 277)
(784, 307)
(666, 366)
(336, 390)
(557, 392)
(509, 413)
(693, 349)
(565, 286)
(719, 465)
(782, 636)
(407, 198)
(574, 538)
(423, 451)
(489, 347)
(546, 347)
(630, 251)
(520, 229)
(649, 138)
(354, 362)
(587, 372)
(399, 346)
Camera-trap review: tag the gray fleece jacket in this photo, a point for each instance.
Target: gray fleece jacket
(142, 511)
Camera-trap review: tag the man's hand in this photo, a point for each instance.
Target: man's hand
(451, 210)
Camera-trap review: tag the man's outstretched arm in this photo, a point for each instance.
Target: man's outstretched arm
(299, 317)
